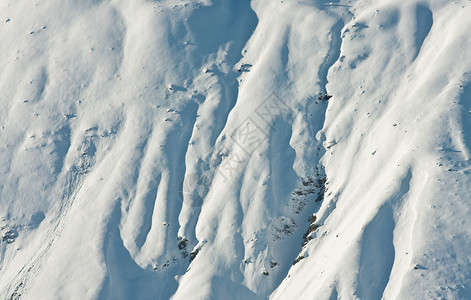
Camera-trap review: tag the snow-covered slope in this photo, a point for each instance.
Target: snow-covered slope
(235, 149)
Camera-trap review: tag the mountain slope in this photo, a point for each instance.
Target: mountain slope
(235, 149)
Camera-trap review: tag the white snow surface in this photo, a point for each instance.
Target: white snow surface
(182, 149)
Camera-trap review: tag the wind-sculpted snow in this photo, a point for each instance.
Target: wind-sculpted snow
(235, 149)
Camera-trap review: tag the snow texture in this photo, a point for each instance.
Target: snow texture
(235, 149)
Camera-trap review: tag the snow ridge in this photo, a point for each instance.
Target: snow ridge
(235, 149)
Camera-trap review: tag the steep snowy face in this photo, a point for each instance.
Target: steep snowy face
(235, 149)
(395, 213)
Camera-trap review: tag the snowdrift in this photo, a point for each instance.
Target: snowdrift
(235, 149)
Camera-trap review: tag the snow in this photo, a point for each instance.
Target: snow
(181, 149)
